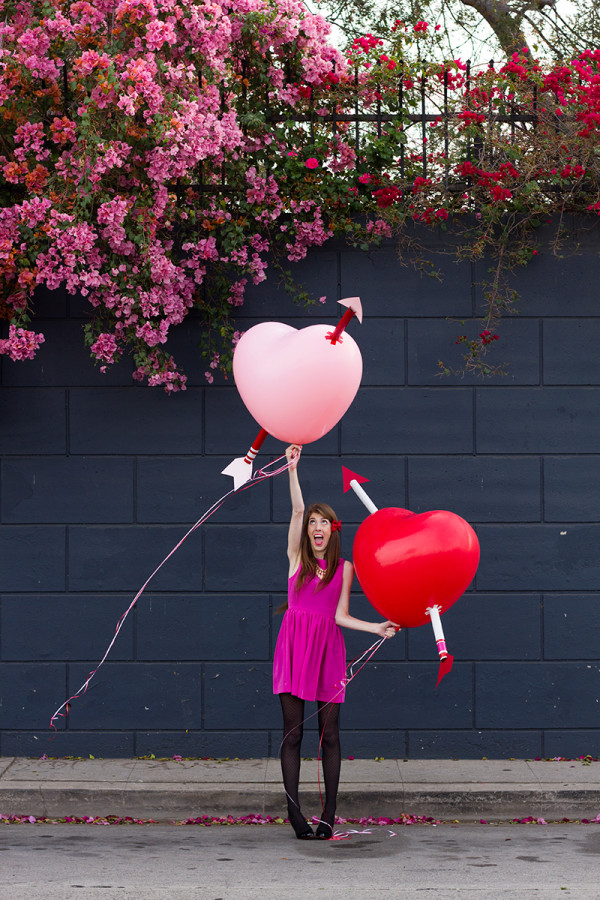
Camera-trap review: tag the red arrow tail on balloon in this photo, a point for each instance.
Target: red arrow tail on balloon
(240, 468)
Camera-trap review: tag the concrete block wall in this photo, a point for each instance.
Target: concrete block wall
(100, 478)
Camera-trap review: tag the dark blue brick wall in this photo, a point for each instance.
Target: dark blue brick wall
(100, 478)
(65, 489)
(158, 695)
(33, 420)
(571, 489)
(409, 420)
(537, 420)
(63, 627)
(432, 340)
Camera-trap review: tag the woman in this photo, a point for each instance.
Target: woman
(310, 656)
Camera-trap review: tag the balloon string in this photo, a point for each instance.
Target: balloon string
(367, 655)
(258, 476)
(350, 675)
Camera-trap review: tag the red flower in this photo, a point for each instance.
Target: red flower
(387, 195)
(498, 193)
(487, 337)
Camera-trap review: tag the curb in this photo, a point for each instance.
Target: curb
(176, 801)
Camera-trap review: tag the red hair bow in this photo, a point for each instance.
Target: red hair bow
(336, 526)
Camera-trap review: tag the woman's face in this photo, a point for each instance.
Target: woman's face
(319, 532)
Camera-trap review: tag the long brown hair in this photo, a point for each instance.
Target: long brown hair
(308, 561)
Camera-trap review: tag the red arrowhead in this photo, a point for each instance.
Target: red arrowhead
(445, 666)
(349, 476)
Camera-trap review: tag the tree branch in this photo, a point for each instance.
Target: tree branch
(505, 22)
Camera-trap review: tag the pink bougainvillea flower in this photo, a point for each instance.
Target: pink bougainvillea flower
(105, 347)
(21, 344)
(163, 177)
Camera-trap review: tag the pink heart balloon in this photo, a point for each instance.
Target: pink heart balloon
(296, 383)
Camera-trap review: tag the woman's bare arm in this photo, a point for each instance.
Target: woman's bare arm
(345, 620)
(295, 530)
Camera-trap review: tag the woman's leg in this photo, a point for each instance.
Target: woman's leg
(331, 755)
(293, 727)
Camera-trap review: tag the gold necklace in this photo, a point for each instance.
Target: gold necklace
(320, 573)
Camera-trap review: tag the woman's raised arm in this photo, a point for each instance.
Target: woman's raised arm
(295, 531)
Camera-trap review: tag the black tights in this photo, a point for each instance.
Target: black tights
(329, 732)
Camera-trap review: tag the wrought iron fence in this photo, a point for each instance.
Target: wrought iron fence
(412, 112)
(415, 113)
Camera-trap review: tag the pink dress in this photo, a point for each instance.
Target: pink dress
(310, 655)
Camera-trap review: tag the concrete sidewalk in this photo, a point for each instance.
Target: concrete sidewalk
(467, 790)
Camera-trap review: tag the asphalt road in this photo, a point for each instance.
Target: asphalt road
(155, 862)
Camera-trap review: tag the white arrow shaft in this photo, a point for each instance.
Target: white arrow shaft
(438, 631)
(363, 496)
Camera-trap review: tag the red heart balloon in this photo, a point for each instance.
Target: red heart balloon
(407, 562)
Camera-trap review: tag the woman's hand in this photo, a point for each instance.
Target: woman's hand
(387, 629)
(292, 454)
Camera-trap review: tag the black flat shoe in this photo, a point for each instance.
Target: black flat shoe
(324, 831)
(302, 829)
